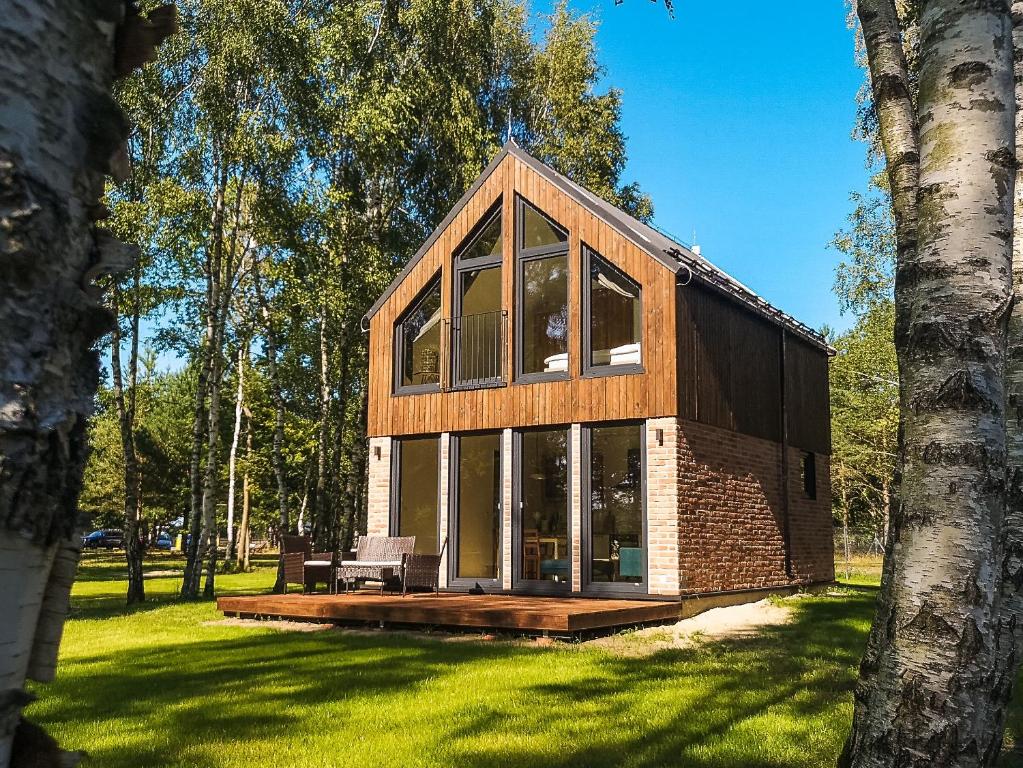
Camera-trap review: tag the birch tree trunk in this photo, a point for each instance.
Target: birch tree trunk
(133, 548)
(190, 582)
(1009, 639)
(61, 133)
(243, 529)
(926, 672)
(239, 404)
(321, 505)
(277, 450)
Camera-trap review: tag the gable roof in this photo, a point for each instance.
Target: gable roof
(672, 255)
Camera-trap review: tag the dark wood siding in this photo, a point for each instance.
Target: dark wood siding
(729, 362)
(729, 372)
(808, 396)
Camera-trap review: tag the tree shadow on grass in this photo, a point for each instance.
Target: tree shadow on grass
(780, 698)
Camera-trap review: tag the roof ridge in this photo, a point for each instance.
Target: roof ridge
(659, 245)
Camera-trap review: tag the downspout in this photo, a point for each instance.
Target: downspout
(785, 530)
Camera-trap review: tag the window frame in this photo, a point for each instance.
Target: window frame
(523, 256)
(461, 265)
(465, 583)
(537, 586)
(612, 588)
(394, 510)
(589, 370)
(398, 341)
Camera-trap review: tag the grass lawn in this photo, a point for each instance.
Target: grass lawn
(157, 686)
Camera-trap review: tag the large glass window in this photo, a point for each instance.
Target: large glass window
(542, 290)
(417, 342)
(415, 506)
(478, 506)
(613, 316)
(617, 546)
(478, 325)
(544, 547)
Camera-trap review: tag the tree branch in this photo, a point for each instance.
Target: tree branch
(889, 76)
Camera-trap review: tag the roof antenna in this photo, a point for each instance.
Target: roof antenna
(696, 246)
(508, 136)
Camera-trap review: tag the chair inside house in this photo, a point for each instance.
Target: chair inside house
(302, 565)
(377, 558)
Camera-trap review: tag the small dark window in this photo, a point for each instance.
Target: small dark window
(612, 322)
(417, 343)
(810, 475)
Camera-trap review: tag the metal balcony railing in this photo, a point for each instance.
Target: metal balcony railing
(476, 347)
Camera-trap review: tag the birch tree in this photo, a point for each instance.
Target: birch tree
(61, 134)
(926, 676)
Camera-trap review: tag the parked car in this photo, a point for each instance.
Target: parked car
(108, 538)
(164, 541)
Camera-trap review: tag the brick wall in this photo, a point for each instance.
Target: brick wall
(575, 476)
(445, 447)
(662, 507)
(811, 530)
(506, 507)
(730, 513)
(378, 503)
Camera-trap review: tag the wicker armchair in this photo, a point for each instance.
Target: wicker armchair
(302, 565)
(422, 571)
(377, 557)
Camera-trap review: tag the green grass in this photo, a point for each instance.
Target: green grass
(157, 686)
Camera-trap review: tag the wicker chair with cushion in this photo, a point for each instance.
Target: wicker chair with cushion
(302, 565)
(422, 571)
(380, 558)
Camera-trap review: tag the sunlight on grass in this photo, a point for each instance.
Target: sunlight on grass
(156, 686)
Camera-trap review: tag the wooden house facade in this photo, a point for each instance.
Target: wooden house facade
(568, 402)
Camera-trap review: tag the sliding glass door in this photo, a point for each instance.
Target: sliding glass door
(542, 552)
(614, 514)
(476, 509)
(416, 491)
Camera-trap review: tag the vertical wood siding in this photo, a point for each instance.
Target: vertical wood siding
(644, 395)
(729, 372)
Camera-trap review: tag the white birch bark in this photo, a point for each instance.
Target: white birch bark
(925, 676)
(239, 404)
(60, 133)
(1009, 640)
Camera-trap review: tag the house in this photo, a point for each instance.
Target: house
(578, 405)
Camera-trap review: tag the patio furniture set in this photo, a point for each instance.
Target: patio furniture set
(391, 560)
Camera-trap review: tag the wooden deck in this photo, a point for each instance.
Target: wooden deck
(557, 615)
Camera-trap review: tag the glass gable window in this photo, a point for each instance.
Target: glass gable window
(415, 503)
(478, 326)
(613, 323)
(487, 243)
(617, 546)
(542, 291)
(538, 231)
(417, 342)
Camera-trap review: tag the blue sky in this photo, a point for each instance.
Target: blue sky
(738, 124)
